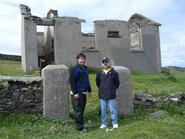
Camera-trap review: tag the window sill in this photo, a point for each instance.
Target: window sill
(137, 49)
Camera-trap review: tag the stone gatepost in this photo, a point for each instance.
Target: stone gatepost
(124, 94)
(55, 96)
(29, 54)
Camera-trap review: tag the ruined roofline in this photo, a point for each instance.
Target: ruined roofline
(134, 18)
(54, 12)
(25, 10)
(76, 19)
(140, 18)
(49, 20)
(108, 21)
(43, 21)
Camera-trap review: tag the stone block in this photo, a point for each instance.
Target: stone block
(55, 91)
(124, 95)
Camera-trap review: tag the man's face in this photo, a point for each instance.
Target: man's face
(81, 61)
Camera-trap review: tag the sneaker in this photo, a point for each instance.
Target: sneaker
(115, 126)
(103, 126)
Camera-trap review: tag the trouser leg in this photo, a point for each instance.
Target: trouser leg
(103, 105)
(113, 110)
(79, 107)
(83, 102)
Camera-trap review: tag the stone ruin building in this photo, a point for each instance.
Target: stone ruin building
(134, 44)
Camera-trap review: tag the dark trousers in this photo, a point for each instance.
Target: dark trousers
(79, 107)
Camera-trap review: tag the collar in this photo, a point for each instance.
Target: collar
(107, 71)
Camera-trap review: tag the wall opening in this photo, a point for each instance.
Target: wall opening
(113, 34)
(45, 45)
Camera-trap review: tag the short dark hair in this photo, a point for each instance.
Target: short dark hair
(81, 55)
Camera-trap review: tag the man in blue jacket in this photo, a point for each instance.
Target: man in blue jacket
(80, 86)
(108, 82)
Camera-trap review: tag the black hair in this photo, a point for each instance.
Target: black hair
(81, 55)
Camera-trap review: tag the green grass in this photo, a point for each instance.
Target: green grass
(13, 68)
(133, 126)
(158, 84)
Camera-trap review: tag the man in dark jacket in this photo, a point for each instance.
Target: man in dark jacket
(80, 86)
(107, 81)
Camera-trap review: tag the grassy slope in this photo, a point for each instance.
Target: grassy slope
(133, 126)
(159, 84)
(21, 126)
(13, 68)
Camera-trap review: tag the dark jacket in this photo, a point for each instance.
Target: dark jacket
(79, 79)
(107, 84)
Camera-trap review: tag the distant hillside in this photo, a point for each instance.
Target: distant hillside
(175, 68)
(10, 57)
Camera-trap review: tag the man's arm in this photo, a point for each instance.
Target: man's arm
(117, 82)
(73, 78)
(98, 80)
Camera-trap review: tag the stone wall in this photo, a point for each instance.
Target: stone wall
(87, 41)
(25, 95)
(134, 44)
(142, 100)
(67, 40)
(118, 46)
(20, 94)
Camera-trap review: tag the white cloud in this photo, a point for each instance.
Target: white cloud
(173, 47)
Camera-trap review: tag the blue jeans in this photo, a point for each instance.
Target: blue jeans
(111, 104)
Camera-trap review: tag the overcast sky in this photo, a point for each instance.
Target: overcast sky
(170, 13)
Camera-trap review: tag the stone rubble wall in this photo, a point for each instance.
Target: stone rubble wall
(142, 100)
(25, 95)
(21, 94)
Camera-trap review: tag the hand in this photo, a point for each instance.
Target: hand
(90, 94)
(76, 96)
